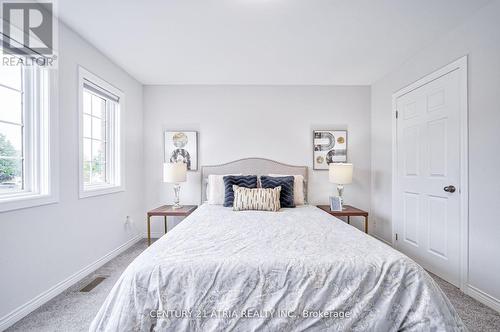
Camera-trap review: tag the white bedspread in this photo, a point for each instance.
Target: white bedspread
(294, 270)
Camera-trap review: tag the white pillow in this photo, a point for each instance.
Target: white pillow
(298, 187)
(215, 189)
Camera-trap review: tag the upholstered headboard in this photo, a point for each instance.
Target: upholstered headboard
(251, 166)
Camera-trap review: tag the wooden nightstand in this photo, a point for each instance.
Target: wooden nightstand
(165, 211)
(348, 211)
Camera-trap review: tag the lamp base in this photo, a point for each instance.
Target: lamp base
(176, 206)
(340, 191)
(177, 190)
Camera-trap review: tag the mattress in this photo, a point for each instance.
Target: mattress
(294, 270)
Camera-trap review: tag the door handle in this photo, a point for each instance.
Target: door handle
(450, 189)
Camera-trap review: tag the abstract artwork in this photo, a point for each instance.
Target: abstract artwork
(329, 146)
(182, 146)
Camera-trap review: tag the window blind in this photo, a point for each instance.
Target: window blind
(100, 91)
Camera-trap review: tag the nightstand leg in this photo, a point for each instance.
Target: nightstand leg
(349, 220)
(149, 231)
(366, 225)
(165, 224)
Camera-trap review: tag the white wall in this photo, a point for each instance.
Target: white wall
(479, 37)
(42, 246)
(274, 122)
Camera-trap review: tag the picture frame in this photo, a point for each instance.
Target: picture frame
(335, 203)
(182, 146)
(329, 146)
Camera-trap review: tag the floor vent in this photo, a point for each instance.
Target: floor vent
(93, 284)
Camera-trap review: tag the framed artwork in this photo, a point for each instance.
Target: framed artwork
(182, 146)
(335, 203)
(329, 146)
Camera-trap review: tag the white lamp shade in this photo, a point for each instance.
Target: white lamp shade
(174, 172)
(340, 173)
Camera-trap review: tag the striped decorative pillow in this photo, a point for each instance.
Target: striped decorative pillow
(256, 198)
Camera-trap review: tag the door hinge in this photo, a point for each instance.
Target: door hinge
(397, 114)
(396, 236)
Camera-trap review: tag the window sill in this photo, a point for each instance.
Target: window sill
(100, 190)
(26, 201)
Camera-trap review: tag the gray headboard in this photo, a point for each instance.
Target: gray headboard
(251, 166)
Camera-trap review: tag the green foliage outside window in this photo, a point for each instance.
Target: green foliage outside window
(9, 168)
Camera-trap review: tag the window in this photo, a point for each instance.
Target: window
(100, 143)
(12, 140)
(27, 167)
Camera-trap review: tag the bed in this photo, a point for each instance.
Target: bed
(293, 270)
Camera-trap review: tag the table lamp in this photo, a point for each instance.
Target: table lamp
(340, 174)
(175, 173)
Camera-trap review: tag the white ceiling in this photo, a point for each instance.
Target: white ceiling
(345, 42)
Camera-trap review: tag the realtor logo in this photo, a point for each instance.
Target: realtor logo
(28, 28)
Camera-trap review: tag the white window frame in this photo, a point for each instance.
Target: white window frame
(115, 162)
(40, 142)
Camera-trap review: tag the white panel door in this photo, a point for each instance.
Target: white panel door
(428, 169)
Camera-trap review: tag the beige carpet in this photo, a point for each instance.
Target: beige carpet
(74, 310)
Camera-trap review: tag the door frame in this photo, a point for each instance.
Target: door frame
(459, 65)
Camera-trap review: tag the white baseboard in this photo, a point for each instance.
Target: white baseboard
(472, 291)
(381, 239)
(484, 298)
(154, 235)
(25, 309)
